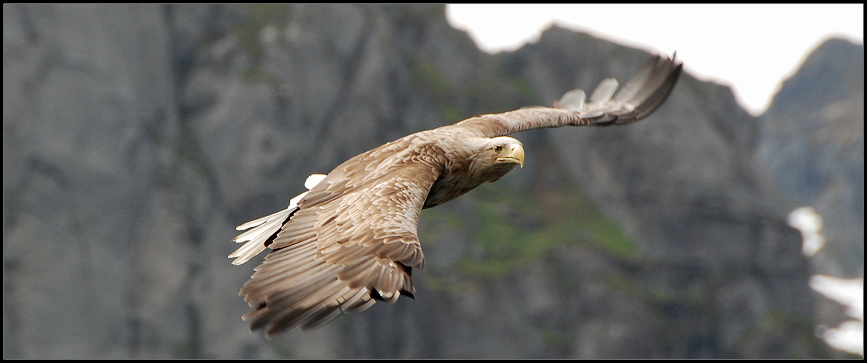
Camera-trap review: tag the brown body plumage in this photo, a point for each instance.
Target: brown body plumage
(351, 239)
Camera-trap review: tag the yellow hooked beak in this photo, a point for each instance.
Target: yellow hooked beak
(512, 154)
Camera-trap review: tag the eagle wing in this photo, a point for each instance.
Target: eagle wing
(642, 95)
(353, 239)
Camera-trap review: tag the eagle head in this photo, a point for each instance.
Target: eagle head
(498, 156)
(507, 151)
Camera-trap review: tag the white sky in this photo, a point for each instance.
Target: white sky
(749, 47)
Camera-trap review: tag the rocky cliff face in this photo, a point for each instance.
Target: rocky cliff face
(812, 145)
(137, 136)
(812, 142)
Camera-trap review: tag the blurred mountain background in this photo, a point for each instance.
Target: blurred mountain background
(136, 137)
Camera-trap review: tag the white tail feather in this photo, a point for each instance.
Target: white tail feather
(265, 227)
(313, 180)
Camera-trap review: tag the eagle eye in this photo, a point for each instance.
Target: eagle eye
(498, 148)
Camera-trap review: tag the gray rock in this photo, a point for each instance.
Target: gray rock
(812, 144)
(137, 136)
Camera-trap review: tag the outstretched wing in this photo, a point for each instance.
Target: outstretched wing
(352, 240)
(642, 95)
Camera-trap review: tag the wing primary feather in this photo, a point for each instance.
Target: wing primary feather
(573, 99)
(604, 90)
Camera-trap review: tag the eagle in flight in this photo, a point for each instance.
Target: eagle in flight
(351, 238)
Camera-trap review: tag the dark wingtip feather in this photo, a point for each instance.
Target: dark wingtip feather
(655, 89)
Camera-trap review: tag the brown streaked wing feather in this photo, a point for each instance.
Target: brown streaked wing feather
(353, 239)
(642, 95)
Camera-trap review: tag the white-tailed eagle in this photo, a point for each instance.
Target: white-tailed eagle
(351, 238)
